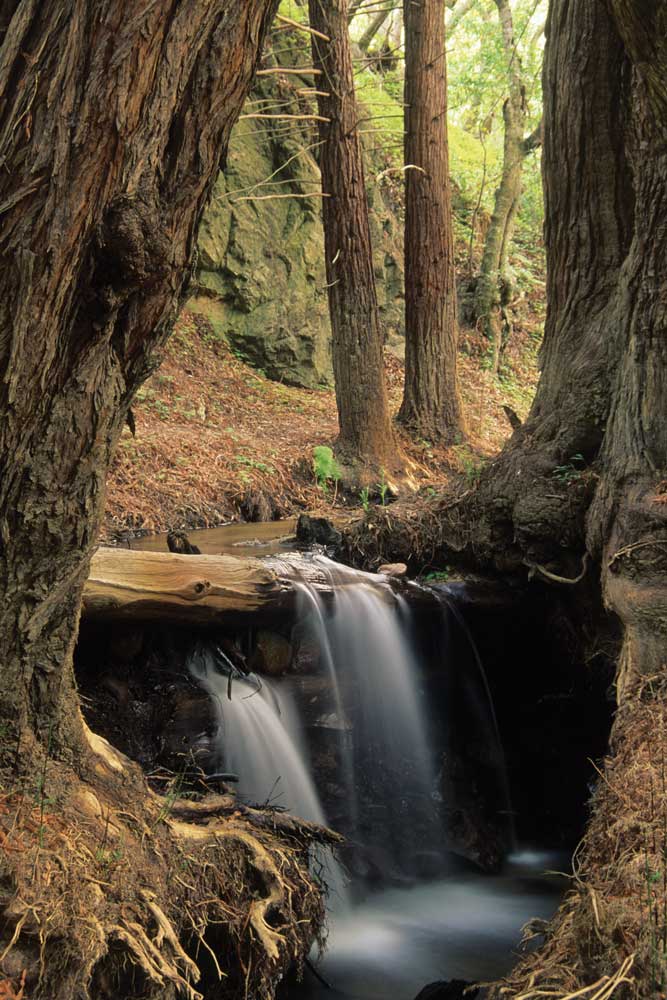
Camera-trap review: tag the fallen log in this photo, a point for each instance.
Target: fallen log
(126, 584)
(136, 585)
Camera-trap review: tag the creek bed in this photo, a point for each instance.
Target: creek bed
(466, 926)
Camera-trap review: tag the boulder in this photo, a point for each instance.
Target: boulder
(316, 531)
(261, 259)
(272, 654)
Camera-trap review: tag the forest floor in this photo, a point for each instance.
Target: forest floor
(217, 441)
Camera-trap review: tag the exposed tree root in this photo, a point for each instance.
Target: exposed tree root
(108, 890)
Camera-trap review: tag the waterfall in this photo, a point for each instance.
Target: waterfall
(387, 770)
(400, 785)
(259, 739)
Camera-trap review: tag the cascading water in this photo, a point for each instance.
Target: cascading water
(388, 770)
(373, 676)
(259, 739)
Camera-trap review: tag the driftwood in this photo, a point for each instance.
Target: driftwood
(135, 585)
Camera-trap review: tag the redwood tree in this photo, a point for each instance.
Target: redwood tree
(114, 121)
(366, 439)
(431, 404)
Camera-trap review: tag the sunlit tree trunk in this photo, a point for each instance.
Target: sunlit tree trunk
(431, 404)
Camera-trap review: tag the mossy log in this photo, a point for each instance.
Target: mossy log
(127, 584)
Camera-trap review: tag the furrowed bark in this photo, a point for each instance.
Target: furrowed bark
(431, 404)
(366, 435)
(113, 124)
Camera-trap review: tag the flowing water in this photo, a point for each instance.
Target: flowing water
(381, 733)
(388, 762)
(465, 927)
(259, 739)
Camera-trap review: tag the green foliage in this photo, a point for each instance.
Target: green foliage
(471, 464)
(383, 489)
(254, 463)
(325, 467)
(365, 497)
(570, 472)
(438, 576)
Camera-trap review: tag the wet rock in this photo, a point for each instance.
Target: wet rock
(306, 658)
(257, 506)
(316, 531)
(393, 569)
(178, 542)
(272, 654)
(452, 989)
(187, 731)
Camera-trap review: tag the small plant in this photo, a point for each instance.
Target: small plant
(365, 497)
(254, 464)
(325, 467)
(438, 576)
(570, 472)
(383, 489)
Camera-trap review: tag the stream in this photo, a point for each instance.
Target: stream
(390, 737)
(464, 927)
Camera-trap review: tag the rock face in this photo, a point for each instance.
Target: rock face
(263, 260)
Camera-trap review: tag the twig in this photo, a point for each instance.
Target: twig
(302, 27)
(293, 71)
(316, 118)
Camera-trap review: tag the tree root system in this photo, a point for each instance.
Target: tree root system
(108, 890)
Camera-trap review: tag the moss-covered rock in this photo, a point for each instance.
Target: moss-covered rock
(263, 259)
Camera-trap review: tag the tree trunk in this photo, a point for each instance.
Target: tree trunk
(489, 292)
(431, 405)
(366, 441)
(114, 120)
(101, 203)
(372, 29)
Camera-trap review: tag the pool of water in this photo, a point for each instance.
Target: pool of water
(467, 926)
(264, 538)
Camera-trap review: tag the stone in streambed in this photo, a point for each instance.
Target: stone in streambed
(272, 654)
(452, 989)
(316, 531)
(393, 569)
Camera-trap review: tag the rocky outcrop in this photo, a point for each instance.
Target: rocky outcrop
(262, 258)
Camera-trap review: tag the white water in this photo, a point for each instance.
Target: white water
(259, 739)
(364, 645)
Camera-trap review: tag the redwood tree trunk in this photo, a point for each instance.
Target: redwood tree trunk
(113, 125)
(366, 436)
(431, 404)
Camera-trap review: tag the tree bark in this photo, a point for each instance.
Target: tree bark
(431, 405)
(114, 120)
(366, 441)
(493, 269)
(112, 130)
